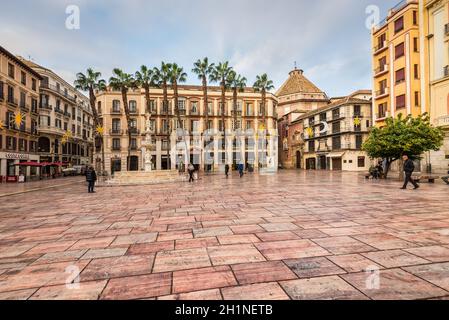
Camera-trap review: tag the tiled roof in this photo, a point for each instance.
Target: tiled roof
(297, 83)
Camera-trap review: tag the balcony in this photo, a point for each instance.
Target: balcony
(78, 119)
(67, 114)
(133, 111)
(382, 93)
(115, 132)
(58, 91)
(194, 112)
(380, 47)
(237, 113)
(114, 111)
(59, 111)
(2, 95)
(133, 131)
(133, 148)
(25, 108)
(46, 107)
(182, 112)
(116, 148)
(381, 70)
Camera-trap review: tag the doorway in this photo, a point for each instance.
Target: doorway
(336, 164)
(298, 160)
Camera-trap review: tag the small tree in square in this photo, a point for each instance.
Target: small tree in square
(403, 135)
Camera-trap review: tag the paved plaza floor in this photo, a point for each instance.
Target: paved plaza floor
(294, 235)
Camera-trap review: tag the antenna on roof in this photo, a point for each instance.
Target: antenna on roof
(296, 67)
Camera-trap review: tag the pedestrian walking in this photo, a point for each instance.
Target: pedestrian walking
(241, 170)
(409, 167)
(91, 178)
(191, 170)
(227, 170)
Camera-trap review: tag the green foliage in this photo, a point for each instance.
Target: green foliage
(263, 83)
(403, 135)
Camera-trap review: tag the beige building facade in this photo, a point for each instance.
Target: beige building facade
(172, 150)
(19, 96)
(334, 134)
(63, 111)
(434, 29)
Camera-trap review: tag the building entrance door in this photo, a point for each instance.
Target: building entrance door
(298, 160)
(323, 162)
(336, 164)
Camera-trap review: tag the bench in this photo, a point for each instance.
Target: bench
(429, 178)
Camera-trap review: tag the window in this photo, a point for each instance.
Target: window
(400, 101)
(415, 45)
(415, 18)
(336, 127)
(23, 78)
(11, 70)
(311, 146)
(116, 125)
(210, 108)
(133, 106)
(99, 107)
(358, 142)
(194, 107)
(361, 162)
(249, 125)
(399, 50)
(34, 84)
(11, 94)
(399, 25)
(134, 143)
(336, 143)
(416, 71)
(382, 110)
(249, 109)
(400, 75)
(116, 106)
(1, 90)
(416, 99)
(115, 144)
(181, 104)
(22, 99)
(357, 110)
(381, 40)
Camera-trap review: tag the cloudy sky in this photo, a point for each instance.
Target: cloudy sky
(329, 39)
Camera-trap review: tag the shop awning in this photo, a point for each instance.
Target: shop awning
(29, 164)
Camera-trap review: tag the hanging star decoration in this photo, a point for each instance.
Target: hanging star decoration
(2, 126)
(262, 126)
(310, 131)
(19, 118)
(357, 121)
(100, 130)
(66, 137)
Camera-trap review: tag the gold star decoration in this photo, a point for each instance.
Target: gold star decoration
(357, 121)
(2, 126)
(19, 118)
(66, 137)
(310, 131)
(262, 126)
(100, 130)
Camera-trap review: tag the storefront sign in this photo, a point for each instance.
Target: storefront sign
(17, 156)
(11, 179)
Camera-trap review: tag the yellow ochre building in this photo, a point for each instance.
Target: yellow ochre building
(396, 61)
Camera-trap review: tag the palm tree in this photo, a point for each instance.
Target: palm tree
(145, 79)
(122, 82)
(238, 84)
(161, 79)
(263, 85)
(221, 74)
(177, 75)
(203, 69)
(91, 82)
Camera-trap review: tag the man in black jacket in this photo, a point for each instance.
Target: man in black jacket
(409, 167)
(91, 177)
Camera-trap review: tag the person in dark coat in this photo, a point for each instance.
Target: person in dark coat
(241, 169)
(409, 167)
(91, 177)
(191, 170)
(227, 170)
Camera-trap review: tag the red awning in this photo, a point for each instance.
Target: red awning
(29, 164)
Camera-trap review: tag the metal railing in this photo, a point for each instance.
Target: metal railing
(380, 46)
(58, 90)
(116, 132)
(12, 101)
(381, 69)
(381, 92)
(116, 111)
(133, 131)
